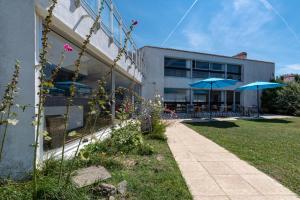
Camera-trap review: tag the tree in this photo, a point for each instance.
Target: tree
(285, 100)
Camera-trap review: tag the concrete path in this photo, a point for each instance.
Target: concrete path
(213, 173)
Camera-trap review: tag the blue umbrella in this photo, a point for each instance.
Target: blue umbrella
(211, 83)
(259, 86)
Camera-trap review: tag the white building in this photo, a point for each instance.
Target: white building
(20, 38)
(169, 72)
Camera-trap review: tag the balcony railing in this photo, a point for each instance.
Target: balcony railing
(114, 27)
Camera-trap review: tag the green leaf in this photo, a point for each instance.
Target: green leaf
(45, 133)
(47, 138)
(12, 121)
(72, 134)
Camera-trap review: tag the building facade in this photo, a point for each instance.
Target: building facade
(168, 72)
(20, 38)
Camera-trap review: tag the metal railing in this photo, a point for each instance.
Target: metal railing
(114, 27)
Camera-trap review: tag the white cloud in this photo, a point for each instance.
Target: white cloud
(240, 4)
(198, 40)
(239, 22)
(267, 4)
(290, 69)
(235, 26)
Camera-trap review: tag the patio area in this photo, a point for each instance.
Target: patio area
(212, 172)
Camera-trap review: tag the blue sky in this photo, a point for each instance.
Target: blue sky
(266, 29)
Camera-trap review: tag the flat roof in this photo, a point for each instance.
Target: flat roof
(208, 54)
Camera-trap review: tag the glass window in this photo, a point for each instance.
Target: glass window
(175, 72)
(200, 65)
(234, 76)
(234, 69)
(56, 99)
(217, 67)
(200, 74)
(177, 107)
(105, 16)
(175, 63)
(217, 75)
(93, 5)
(237, 98)
(116, 30)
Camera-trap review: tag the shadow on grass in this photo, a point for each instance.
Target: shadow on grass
(214, 124)
(275, 121)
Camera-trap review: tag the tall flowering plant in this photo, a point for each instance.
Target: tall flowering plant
(41, 91)
(7, 103)
(77, 63)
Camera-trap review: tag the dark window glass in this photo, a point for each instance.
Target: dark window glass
(201, 65)
(234, 76)
(175, 72)
(217, 67)
(175, 63)
(234, 69)
(237, 98)
(200, 74)
(177, 107)
(217, 75)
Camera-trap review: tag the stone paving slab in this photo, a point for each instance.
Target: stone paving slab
(213, 173)
(87, 176)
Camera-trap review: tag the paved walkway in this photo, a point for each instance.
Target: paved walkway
(213, 173)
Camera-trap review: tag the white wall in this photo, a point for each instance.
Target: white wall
(17, 41)
(154, 72)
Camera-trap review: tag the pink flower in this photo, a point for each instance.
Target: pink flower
(68, 48)
(134, 22)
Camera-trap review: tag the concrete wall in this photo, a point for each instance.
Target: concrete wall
(154, 72)
(17, 41)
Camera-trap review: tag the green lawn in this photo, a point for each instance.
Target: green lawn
(151, 179)
(272, 146)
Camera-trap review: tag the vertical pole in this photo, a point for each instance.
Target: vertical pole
(210, 100)
(234, 103)
(257, 96)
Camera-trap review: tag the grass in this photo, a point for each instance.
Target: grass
(154, 177)
(151, 177)
(273, 146)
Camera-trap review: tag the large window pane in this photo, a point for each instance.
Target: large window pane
(93, 5)
(217, 67)
(234, 72)
(116, 30)
(56, 100)
(174, 62)
(217, 75)
(233, 69)
(234, 76)
(105, 16)
(175, 95)
(200, 74)
(200, 65)
(176, 72)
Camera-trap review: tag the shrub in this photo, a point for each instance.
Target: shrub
(146, 150)
(127, 139)
(285, 100)
(158, 131)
